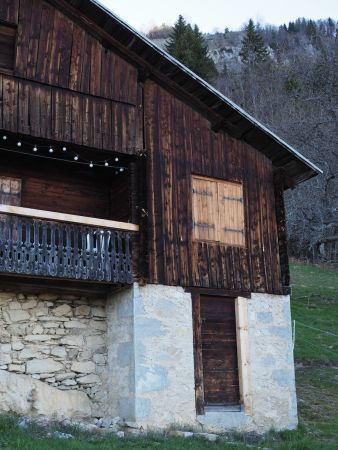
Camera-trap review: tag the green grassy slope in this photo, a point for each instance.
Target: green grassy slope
(315, 305)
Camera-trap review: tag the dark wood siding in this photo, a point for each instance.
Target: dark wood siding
(66, 84)
(70, 190)
(181, 143)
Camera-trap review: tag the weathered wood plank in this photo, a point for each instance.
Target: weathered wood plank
(188, 147)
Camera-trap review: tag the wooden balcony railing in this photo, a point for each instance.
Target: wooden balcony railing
(47, 244)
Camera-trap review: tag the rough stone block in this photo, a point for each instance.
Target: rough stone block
(14, 305)
(75, 324)
(82, 310)
(83, 366)
(17, 368)
(89, 379)
(43, 366)
(17, 345)
(29, 353)
(16, 396)
(37, 337)
(64, 375)
(16, 315)
(69, 382)
(4, 336)
(18, 329)
(37, 329)
(73, 340)
(62, 310)
(53, 318)
(29, 304)
(59, 351)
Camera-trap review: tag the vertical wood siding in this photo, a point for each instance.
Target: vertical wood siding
(180, 144)
(66, 85)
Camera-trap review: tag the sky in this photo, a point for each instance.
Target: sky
(215, 15)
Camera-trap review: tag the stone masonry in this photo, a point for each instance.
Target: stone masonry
(57, 339)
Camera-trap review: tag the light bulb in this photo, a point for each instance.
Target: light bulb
(91, 164)
(50, 150)
(121, 169)
(116, 159)
(76, 157)
(64, 149)
(4, 138)
(19, 144)
(106, 163)
(35, 149)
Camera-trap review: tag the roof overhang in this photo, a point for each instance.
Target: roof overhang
(230, 117)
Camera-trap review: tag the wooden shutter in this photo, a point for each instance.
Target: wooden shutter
(7, 47)
(230, 213)
(204, 207)
(10, 191)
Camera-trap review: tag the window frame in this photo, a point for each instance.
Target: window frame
(14, 28)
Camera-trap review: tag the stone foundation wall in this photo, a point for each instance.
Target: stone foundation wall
(57, 339)
(151, 341)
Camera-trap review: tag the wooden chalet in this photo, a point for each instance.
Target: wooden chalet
(125, 176)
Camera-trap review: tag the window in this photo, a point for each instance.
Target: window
(7, 47)
(10, 191)
(218, 211)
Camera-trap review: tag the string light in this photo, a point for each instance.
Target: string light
(38, 150)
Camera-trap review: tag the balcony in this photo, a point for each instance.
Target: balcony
(39, 243)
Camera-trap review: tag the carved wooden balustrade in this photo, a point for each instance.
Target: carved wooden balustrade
(52, 248)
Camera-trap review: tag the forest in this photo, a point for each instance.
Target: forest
(287, 78)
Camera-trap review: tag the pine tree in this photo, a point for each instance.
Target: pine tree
(187, 45)
(253, 50)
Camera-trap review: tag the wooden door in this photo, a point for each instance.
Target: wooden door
(218, 352)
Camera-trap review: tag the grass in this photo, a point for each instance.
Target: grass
(314, 304)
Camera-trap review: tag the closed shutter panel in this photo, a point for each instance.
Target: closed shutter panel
(205, 211)
(7, 47)
(231, 213)
(10, 191)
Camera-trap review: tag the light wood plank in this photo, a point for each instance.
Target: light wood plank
(60, 217)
